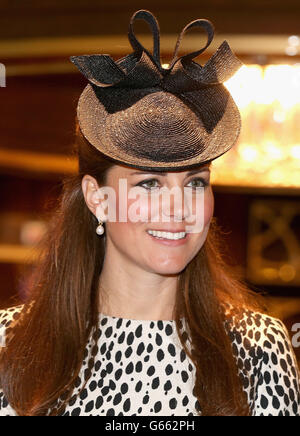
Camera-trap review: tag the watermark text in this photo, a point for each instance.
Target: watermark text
(296, 336)
(2, 336)
(2, 76)
(158, 205)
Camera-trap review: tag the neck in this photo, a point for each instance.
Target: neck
(128, 291)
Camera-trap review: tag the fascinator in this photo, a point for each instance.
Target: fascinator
(146, 116)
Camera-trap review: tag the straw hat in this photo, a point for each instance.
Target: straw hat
(137, 112)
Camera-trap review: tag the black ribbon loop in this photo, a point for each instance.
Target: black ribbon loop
(207, 26)
(154, 26)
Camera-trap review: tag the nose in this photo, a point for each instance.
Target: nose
(172, 205)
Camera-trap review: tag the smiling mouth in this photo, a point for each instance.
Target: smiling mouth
(170, 236)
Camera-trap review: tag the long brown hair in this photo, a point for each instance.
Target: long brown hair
(42, 359)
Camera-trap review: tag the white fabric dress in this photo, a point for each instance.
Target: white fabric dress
(141, 369)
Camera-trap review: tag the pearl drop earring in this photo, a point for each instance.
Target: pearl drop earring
(100, 228)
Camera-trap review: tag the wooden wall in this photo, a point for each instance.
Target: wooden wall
(34, 18)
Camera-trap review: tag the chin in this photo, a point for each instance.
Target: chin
(168, 269)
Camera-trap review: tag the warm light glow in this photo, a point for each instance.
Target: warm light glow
(294, 41)
(274, 83)
(268, 150)
(270, 273)
(295, 151)
(248, 152)
(272, 150)
(287, 273)
(293, 46)
(245, 84)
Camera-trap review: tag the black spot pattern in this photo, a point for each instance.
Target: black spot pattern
(141, 369)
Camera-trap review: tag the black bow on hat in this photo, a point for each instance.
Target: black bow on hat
(141, 69)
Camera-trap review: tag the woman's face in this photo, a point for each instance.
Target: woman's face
(157, 212)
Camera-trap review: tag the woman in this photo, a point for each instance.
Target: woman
(123, 320)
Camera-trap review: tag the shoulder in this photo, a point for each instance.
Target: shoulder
(10, 314)
(255, 328)
(266, 360)
(259, 334)
(7, 317)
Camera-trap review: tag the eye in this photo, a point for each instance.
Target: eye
(148, 184)
(202, 182)
(151, 184)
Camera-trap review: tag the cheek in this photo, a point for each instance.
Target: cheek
(130, 216)
(201, 212)
(209, 204)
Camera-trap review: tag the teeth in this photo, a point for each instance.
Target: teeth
(167, 235)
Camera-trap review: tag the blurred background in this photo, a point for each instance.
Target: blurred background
(256, 184)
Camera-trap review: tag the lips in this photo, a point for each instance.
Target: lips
(169, 230)
(169, 242)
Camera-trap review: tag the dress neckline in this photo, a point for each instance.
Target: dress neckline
(132, 320)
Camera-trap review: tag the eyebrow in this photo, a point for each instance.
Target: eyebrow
(190, 173)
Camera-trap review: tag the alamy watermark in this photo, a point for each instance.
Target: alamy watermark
(153, 205)
(296, 337)
(2, 76)
(2, 336)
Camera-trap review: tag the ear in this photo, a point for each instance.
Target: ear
(90, 191)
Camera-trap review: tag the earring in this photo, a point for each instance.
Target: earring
(100, 228)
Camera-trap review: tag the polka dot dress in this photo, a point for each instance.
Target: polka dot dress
(141, 369)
